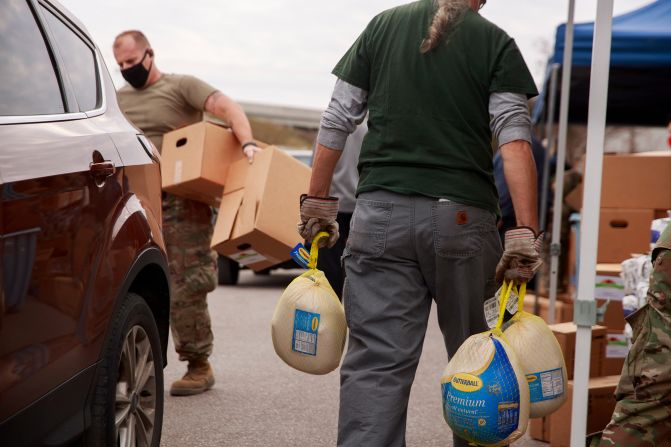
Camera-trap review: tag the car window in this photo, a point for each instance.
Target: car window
(28, 82)
(80, 62)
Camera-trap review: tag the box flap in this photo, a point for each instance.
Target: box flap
(244, 223)
(237, 175)
(228, 212)
(242, 174)
(258, 173)
(279, 212)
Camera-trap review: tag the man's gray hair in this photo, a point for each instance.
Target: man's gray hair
(447, 12)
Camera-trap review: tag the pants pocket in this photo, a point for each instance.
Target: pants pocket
(459, 230)
(368, 231)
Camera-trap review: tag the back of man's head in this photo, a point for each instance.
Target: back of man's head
(138, 36)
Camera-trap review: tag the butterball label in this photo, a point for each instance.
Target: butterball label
(467, 383)
(484, 409)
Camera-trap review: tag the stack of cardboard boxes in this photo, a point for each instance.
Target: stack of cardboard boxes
(258, 203)
(636, 190)
(556, 428)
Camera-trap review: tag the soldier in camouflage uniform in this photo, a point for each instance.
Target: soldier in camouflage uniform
(187, 230)
(158, 103)
(642, 417)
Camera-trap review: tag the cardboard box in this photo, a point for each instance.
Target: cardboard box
(609, 269)
(566, 336)
(623, 232)
(632, 181)
(600, 406)
(539, 429)
(256, 225)
(195, 161)
(574, 198)
(637, 180)
(615, 354)
(563, 307)
(614, 316)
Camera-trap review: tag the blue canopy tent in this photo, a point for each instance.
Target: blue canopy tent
(640, 72)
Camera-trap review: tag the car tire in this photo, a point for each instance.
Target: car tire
(125, 410)
(229, 271)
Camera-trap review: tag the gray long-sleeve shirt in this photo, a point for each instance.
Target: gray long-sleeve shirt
(346, 175)
(508, 112)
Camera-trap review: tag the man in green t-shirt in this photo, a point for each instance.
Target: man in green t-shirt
(424, 225)
(158, 103)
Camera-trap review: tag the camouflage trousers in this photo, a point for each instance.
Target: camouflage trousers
(187, 230)
(642, 417)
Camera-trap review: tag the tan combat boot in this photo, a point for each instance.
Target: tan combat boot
(198, 378)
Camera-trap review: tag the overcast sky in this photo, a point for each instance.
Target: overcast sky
(282, 51)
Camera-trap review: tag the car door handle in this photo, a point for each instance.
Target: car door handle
(102, 169)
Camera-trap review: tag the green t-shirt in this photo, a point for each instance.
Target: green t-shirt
(428, 128)
(172, 102)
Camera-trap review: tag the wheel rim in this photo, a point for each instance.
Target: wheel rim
(135, 402)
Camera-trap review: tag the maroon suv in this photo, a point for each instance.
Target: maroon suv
(84, 295)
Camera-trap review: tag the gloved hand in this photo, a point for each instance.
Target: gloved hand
(522, 256)
(319, 214)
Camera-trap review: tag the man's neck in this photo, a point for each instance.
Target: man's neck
(154, 75)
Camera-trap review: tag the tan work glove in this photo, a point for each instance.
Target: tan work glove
(319, 214)
(522, 256)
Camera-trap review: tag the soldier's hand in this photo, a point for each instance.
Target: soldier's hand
(250, 151)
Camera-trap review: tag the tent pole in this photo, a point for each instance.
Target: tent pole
(550, 136)
(557, 213)
(585, 306)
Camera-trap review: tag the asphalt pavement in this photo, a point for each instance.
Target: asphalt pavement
(259, 401)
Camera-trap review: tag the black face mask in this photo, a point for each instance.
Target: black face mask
(137, 75)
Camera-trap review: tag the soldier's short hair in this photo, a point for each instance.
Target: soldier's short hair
(138, 37)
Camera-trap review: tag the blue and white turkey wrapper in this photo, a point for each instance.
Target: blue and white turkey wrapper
(485, 393)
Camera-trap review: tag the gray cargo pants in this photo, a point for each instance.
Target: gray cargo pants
(403, 251)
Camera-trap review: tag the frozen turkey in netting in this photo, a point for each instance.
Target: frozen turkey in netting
(485, 394)
(541, 358)
(308, 326)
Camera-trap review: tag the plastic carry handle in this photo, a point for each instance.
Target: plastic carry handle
(503, 303)
(314, 249)
(521, 293)
(507, 289)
